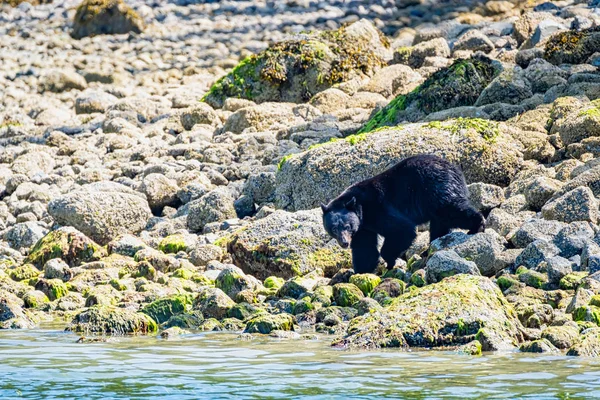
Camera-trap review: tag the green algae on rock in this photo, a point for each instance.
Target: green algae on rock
(266, 323)
(588, 344)
(458, 85)
(297, 69)
(112, 320)
(346, 294)
(286, 244)
(447, 313)
(162, 310)
(365, 282)
(572, 47)
(102, 17)
(66, 243)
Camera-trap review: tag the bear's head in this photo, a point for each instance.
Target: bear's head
(341, 221)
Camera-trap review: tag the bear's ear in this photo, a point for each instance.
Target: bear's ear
(351, 204)
(324, 208)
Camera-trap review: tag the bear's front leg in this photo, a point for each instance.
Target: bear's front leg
(398, 237)
(365, 255)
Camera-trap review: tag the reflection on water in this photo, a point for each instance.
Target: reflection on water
(50, 365)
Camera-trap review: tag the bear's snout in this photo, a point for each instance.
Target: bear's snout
(345, 239)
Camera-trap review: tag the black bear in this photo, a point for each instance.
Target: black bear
(418, 189)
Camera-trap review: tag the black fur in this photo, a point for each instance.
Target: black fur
(418, 189)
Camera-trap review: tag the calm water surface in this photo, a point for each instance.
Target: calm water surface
(49, 364)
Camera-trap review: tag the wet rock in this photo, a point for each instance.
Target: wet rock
(365, 282)
(112, 320)
(101, 215)
(163, 310)
(286, 244)
(266, 323)
(472, 348)
(11, 313)
(346, 294)
(561, 337)
(587, 345)
(447, 263)
(232, 280)
(538, 346)
(572, 47)
(98, 17)
(439, 314)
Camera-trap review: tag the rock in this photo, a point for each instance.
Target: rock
(23, 272)
(215, 206)
(365, 282)
(126, 245)
(572, 238)
(260, 187)
(101, 215)
(202, 254)
(540, 190)
(57, 269)
(437, 47)
(232, 280)
(266, 323)
(579, 124)
(346, 294)
(286, 245)
(485, 197)
(101, 17)
(295, 70)
(390, 81)
(558, 267)
(561, 337)
(24, 234)
(323, 172)
(61, 81)
(472, 348)
(447, 263)
(53, 288)
(538, 346)
(438, 315)
(32, 163)
(113, 321)
(587, 345)
(93, 101)
(577, 205)
(542, 75)
(572, 47)
(535, 253)
(458, 85)
(160, 192)
(509, 87)
(213, 303)
(473, 40)
(533, 278)
(11, 313)
(162, 310)
(173, 244)
(200, 113)
(535, 229)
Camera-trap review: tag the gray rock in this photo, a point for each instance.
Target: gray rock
(260, 187)
(215, 206)
(535, 253)
(200, 113)
(24, 234)
(160, 191)
(57, 269)
(101, 215)
(474, 40)
(573, 238)
(213, 303)
(446, 263)
(509, 87)
(557, 268)
(202, 254)
(590, 256)
(93, 101)
(433, 48)
(62, 80)
(484, 196)
(535, 229)
(544, 75)
(577, 205)
(126, 245)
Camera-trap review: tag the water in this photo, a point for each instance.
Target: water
(47, 364)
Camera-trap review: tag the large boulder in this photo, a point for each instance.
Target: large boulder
(572, 47)
(101, 17)
(486, 151)
(451, 312)
(295, 70)
(101, 214)
(66, 243)
(112, 320)
(286, 244)
(458, 85)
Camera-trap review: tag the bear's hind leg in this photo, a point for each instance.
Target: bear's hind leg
(365, 255)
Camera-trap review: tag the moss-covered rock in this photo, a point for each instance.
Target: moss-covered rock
(450, 312)
(162, 310)
(323, 295)
(213, 303)
(24, 272)
(243, 311)
(458, 85)
(104, 295)
(365, 282)
(472, 348)
(295, 70)
(286, 245)
(266, 323)
(101, 17)
(588, 344)
(561, 337)
(66, 243)
(193, 320)
(572, 281)
(12, 315)
(572, 47)
(35, 299)
(388, 289)
(538, 346)
(112, 320)
(587, 313)
(487, 152)
(53, 288)
(232, 281)
(533, 278)
(506, 281)
(346, 294)
(174, 244)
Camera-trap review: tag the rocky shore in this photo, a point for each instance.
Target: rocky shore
(161, 167)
